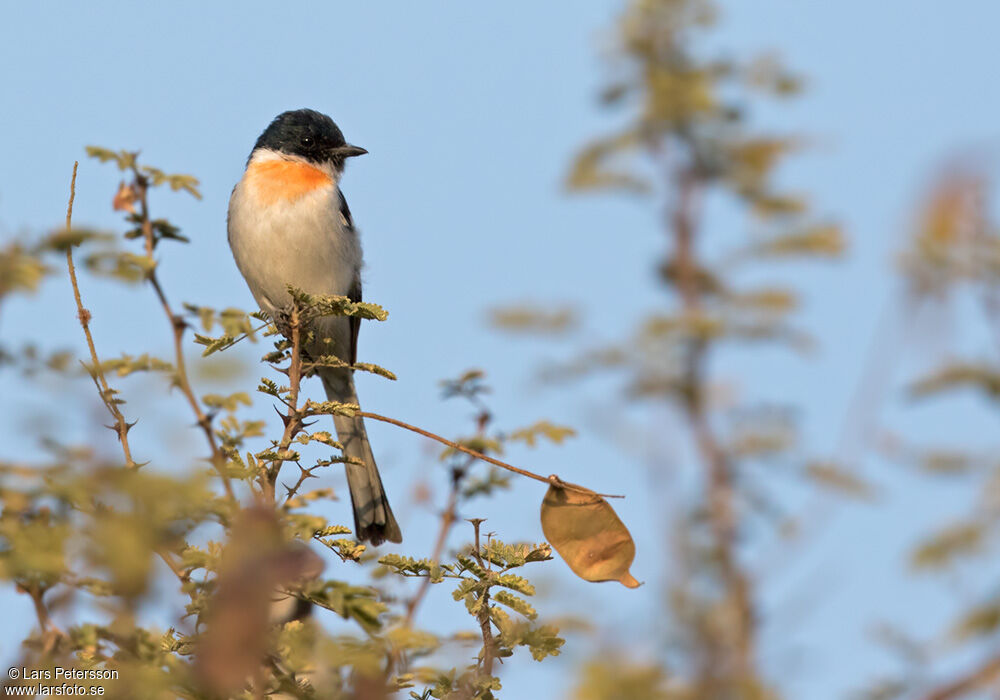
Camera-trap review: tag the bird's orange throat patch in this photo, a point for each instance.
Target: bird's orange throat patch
(275, 181)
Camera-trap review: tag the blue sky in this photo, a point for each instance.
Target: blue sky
(471, 114)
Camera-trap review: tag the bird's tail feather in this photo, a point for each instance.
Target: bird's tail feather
(373, 518)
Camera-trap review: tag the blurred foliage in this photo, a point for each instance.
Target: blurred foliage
(527, 319)
(684, 139)
(619, 678)
(951, 255)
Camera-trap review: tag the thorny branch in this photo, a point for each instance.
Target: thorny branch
(293, 418)
(121, 426)
(681, 223)
(551, 479)
(50, 632)
(178, 324)
(489, 643)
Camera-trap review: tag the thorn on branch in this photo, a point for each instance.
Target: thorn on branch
(179, 324)
(285, 419)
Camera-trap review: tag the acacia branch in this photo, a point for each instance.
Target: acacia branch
(489, 643)
(174, 567)
(448, 517)
(121, 426)
(178, 325)
(721, 492)
(293, 418)
(51, 633)
(550, 479)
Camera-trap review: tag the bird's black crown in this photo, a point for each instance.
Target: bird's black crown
(308, 134)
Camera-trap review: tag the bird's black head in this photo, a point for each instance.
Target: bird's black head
(308, 134)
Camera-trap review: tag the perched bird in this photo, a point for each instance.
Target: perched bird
(289, 225)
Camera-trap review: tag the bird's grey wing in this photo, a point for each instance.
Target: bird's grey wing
(355, 323)
(345, 211)
(354, 293)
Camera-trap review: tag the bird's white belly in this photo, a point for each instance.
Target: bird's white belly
(304, 243)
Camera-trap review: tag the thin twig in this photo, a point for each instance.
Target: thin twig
(121, 426)
(51, 633)
(489, 643)
(37, 593)
(168, 559)
(448, 518)
(178, 324)
(292, 419)
(552, 479)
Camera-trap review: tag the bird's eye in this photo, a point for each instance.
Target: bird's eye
(307, 141)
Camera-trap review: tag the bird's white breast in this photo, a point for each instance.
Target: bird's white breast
(302, 243)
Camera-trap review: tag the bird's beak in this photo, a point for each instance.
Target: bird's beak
(347, 151)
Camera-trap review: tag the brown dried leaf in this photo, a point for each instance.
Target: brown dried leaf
(589, 536)
(258, 564)
(125, 198)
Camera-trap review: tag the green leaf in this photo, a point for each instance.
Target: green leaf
(948, 545)
(959, 375)
(331, 530)
(821, 240)
(514, 603)
(516, 583)
(465, 588)
(598, 166)
(350, 602)
(20, 270)
(528, 319)
(406, 566)
(981, 621)
(123, 159)
(214, 345)
(484, 486)
(229, 403)
(126, 365)
(374, 369)
(269, 387)
(330, 408)
(542, 429)
(320, 305)
(835, 477)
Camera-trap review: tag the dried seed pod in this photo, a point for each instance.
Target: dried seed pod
(589, 536)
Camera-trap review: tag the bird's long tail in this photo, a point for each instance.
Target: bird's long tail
(373, 518)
